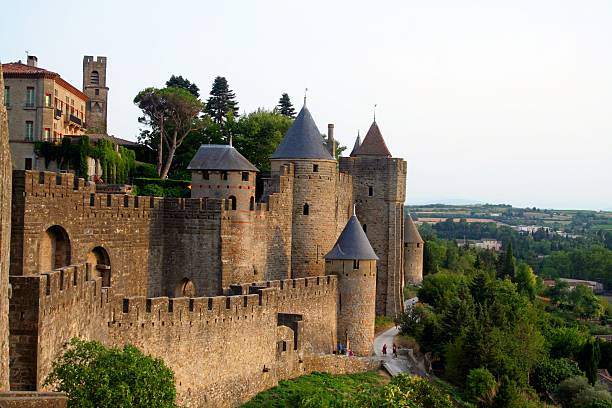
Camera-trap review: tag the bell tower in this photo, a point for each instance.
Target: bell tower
(94, 86)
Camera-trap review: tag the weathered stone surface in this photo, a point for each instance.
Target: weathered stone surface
(33, 400)
(5, 235)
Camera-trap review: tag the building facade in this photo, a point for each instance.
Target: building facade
(41, 105)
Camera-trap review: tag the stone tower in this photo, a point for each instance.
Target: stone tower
(220, 171)
(353, 260)
(413, 253)
(379, 189)
(314, 200)
(94, 86)
(5, 235)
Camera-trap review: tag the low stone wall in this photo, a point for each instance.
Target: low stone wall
(26, 399)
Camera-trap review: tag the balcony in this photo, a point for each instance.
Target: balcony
(76, 120)
(58, 113)
(73, 120)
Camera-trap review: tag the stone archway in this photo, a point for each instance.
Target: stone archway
(54, 249)
(185, 288)
(99, 258)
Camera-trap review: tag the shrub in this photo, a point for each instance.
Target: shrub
(570, 388)
(481, 386)
(548, 373)
(151, 190)
(95, 376)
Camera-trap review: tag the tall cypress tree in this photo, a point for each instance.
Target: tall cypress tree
(221, 102)
(285, 107)
(509, 264)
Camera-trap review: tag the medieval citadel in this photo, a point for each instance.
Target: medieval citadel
(232, 293)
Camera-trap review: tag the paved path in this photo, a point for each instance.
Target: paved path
(393, 365)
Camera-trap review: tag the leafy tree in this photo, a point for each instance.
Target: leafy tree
(258, 134)
(481, 387)
(174, 113)
(565, 342)
(584, 302)
(222, 101)
(588, 360)
(548, 373)
(180, 82)
(506, 266)
(568, 389)
(526, 281)
(153, 107)
(95, 376)
(285, 107)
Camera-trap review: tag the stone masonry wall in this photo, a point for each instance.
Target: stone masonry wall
(5, 234)
(381, 210)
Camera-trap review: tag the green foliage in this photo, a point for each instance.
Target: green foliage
(285, 107)
(180, 82)
(162, 188)
(548, 373)
(576, 392)
(258, 134)
(565, 342)
(222, 101)
(588, 359)
(117, 162)
(95, 376)
(526, 281)
(481, 387)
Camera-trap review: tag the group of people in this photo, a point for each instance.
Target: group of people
(342, 350)
(384, 350)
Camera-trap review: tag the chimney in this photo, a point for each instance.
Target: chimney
(32, 61)
(331, 143)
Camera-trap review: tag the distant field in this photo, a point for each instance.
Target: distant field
(607, 227)
(432, 220)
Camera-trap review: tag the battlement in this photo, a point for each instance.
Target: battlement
(345, 178)
(49, 183)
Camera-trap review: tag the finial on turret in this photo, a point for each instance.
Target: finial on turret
(231, 141)
(375, 112)
(354, 209)
(305, 92)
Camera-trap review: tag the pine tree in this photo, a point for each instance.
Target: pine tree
(285, 107)
(222, 101)
(509, 264)
(180, 82)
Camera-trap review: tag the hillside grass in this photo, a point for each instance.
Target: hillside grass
(317, 389)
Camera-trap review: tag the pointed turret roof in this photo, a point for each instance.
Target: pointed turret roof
(303, 140)
(373, 144)
(411, 233)
(220, 157)
(356, 147)
(352, 243)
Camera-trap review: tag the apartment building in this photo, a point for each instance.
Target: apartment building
(41, 105)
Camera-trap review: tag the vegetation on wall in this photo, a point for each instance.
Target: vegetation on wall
(116, 164)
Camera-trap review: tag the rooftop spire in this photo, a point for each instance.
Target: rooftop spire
(356, 146)
(373, 144)
(305, 93)
(352, 243)
(375, 113)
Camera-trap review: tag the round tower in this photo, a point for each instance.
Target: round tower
(314, 200)
(413, 253)
(353, 260)
(220, 171)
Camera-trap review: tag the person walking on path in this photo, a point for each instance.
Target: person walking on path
(384, 349)
(394, 350)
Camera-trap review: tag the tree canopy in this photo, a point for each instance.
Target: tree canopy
(221, 102)
(285, 107)
(94, 376)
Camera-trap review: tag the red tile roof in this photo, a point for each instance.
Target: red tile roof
(373, 144)
(19, 70)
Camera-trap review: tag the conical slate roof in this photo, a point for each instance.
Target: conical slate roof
(356, 147)
(302, 141)
(373, 144)
(352, 243)
(220, 157)
(411, 233)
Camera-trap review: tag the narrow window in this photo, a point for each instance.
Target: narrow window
(365, 228)
(30, 97)
(224, 175)
(315, 168)
(95, 78)
(47, 135)
(245, 176)
(418, 245)
(97, 92)
(306, 210)
(232, 202)
(205, 175)
(28, 163)
(252, 203)
(7, 96)
(355, 263)
(48, 100)
(29, 130)
(370, 191)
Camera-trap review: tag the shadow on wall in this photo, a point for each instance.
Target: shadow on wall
(54, 250)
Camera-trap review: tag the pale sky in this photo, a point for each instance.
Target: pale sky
(488, 101)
